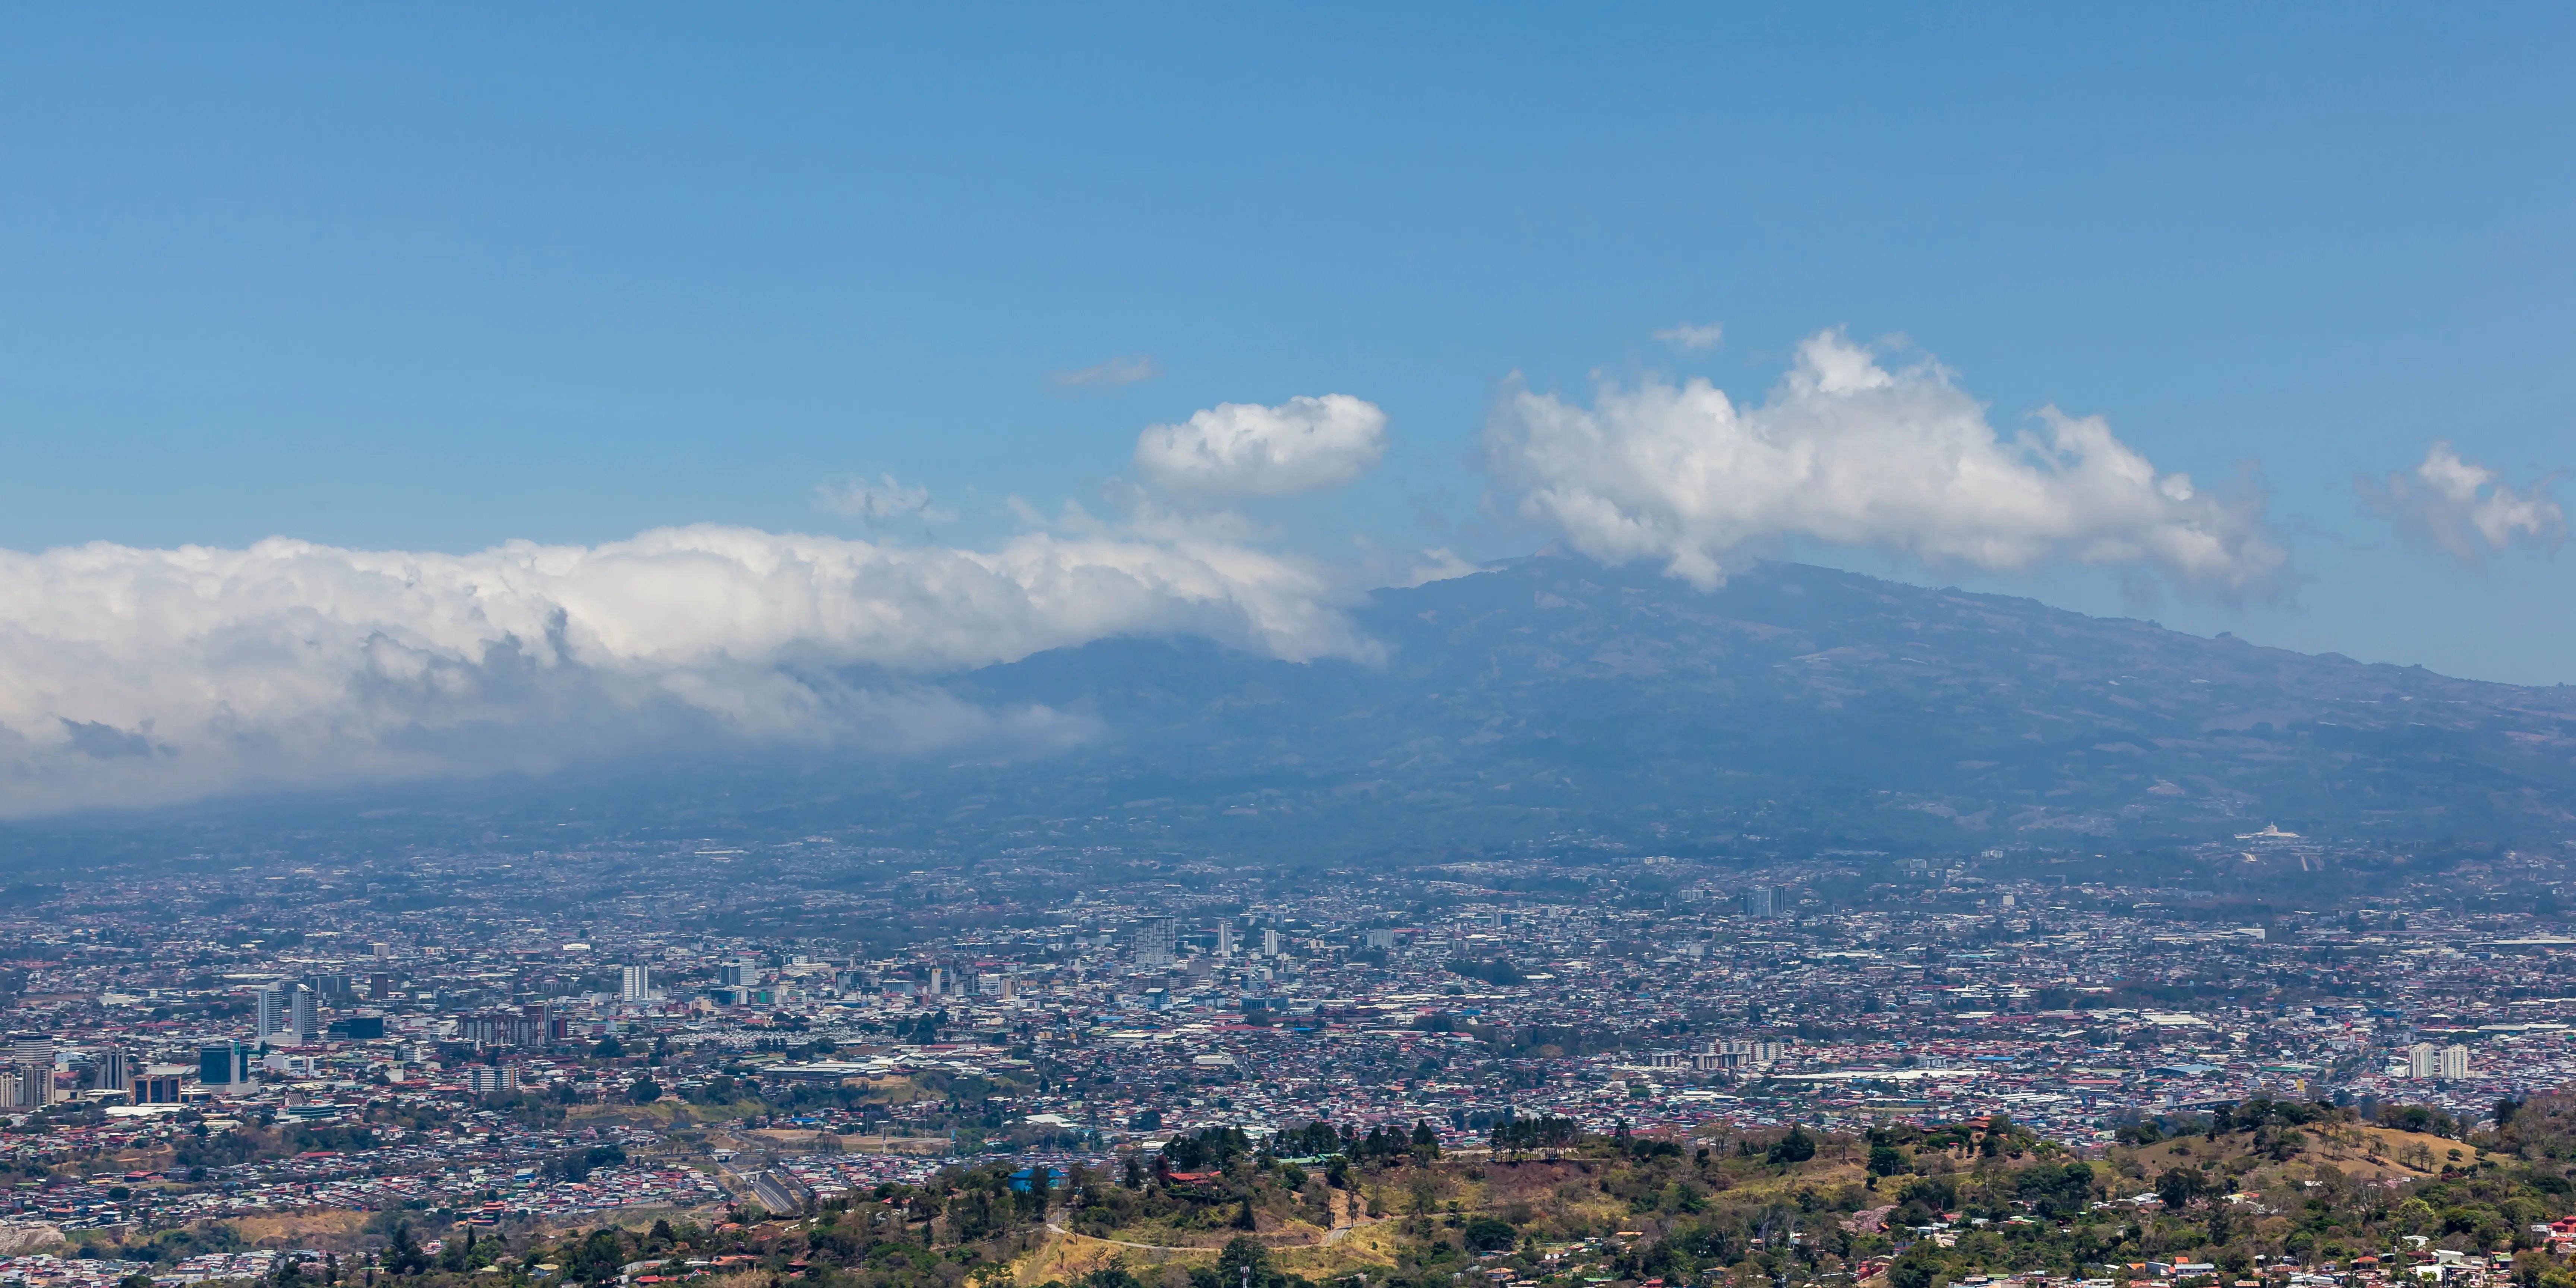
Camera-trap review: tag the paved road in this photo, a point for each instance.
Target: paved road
(774, 1193)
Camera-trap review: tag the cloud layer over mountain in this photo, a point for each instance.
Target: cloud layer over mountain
(1848, 452)
(132, 676)
(138, 676)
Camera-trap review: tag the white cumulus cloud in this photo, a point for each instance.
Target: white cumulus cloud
(2466, 508)
(1244, 449)
(1849, 452)
(135, 676)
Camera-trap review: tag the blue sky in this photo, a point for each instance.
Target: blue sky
(431, 281)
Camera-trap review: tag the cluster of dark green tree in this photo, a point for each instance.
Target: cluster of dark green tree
(1520, 1135)
(1229, 1185)
(577, 1165)
(1902, 1147)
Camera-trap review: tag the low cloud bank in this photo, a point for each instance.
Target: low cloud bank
(132, 676)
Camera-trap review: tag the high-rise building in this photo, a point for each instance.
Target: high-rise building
(271, 1004)
(224, 1064)
(1759, 901)
(288, 1015)
(2455, 1062)
(155, 1089)
(490, 1079)
(1738, 1053)
(115, 1070)
(304, 1016)
(741, 973)
(1225, 939)
(380, 985)
(381, 951)
(1157, 941)
(636, 984)
(31, 1070)
(26, 1087)
(2423, 1060)
(1270, 943)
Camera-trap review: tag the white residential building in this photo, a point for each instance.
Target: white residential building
(2423, 1060)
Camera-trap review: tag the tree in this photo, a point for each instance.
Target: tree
(2057, 1193)
(595, 1259)
(1918, 1268)
(1796, 1147)
(1489, 1234)
(1885, 1160)
(644, 1092)
(2178, 1187)
(2415, 1216)
(402, 1252)
(459, 1255)
(1244, 1261)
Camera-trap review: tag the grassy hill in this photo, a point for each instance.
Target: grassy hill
(2249, 1192)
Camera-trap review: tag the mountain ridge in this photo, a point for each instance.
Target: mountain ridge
(2137, 731)
(1556, 704)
